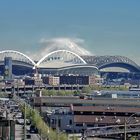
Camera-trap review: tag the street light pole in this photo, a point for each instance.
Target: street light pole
(24, 121)
(57, 127)
(124, 128)
(7, 118)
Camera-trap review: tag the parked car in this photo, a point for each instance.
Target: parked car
(28, 136)
(21, 121)
(19, 115)
(33, 129)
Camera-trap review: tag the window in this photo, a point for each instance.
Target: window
(79, 124)
(70, 122)
(90, 125)
(59, 123)
(53, 121)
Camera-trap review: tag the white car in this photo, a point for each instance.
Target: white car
(19, 115)
(20, 121)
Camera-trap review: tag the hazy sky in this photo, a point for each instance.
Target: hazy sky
(106, 27)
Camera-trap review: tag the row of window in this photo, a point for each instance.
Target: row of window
(103, 113)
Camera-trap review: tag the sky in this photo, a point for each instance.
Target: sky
(103, 27)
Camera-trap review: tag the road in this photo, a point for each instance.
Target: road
(18, 132)
(35, 137)
(11, 115)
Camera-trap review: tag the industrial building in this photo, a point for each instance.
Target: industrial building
(90, 117)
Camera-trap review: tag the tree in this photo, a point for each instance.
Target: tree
(86, 90)
(39, 123)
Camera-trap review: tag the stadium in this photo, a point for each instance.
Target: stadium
(64, 62)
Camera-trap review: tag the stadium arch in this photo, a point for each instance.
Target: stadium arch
(63, 57)
(21, 63)
(112, 61)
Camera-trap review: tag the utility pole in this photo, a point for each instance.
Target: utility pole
(8, 124)
(124, 128)
(57, 128)
(24, 121)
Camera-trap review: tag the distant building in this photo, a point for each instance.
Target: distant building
(95, 80)
(74, 80)
(38, 82)
(52, 80)
(29, 81)
(18, 82)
